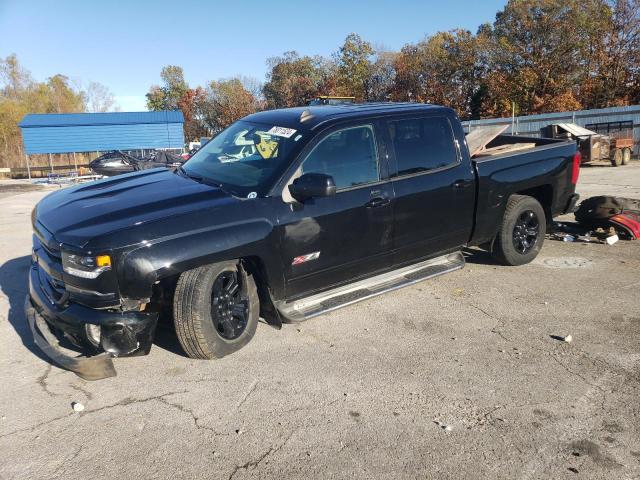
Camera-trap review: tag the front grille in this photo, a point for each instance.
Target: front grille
(49, 266)
(46, 240)
(52, 288)
(51, 252)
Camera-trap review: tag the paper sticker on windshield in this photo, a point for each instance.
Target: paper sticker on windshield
(282, 132)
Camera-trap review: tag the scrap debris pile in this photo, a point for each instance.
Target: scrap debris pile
(117, 162)
(602, 219)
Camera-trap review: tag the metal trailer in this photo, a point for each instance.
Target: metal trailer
(621, 147)
(616, 148)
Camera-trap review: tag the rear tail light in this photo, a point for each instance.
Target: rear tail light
(575, 173)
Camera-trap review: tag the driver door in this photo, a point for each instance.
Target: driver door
(333, 240)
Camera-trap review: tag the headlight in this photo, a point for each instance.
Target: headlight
(85, 266)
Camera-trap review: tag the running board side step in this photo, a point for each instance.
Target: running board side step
(339, 297)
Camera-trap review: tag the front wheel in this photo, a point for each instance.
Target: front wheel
(626, 156)
(522, 231)
(215, 309)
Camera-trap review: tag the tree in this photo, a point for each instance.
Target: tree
(189, 105)
(445, 68)
(175, 94)
(225, 102)
(13, 76)
(380, 82)
(167, 96)
(98, 98)
(61, 97)
(353, 60)
(537, 52)
(20, 95)
(612, 70)
(292, 80)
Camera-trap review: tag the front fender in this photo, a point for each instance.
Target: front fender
(167, 256)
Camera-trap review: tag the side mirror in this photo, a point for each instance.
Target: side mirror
(312, 185)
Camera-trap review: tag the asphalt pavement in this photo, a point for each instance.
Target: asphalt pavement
(455, 377)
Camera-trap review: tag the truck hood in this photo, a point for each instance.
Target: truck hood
(78, 214)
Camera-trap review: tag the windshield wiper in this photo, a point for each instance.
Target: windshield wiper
(186, 174)
(201, 179)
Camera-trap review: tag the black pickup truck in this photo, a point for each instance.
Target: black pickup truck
(284, 215)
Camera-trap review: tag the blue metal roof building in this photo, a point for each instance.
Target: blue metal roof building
(99, 132)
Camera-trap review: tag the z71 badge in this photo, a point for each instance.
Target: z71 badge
(305, 258)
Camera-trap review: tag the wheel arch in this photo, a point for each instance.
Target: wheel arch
(255, 266)
(544, 195)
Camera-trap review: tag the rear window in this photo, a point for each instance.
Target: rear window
(422, 144)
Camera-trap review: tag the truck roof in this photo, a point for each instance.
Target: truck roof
(307, 118)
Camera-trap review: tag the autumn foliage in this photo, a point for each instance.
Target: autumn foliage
(537, 56)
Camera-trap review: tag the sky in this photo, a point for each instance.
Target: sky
(125, 44)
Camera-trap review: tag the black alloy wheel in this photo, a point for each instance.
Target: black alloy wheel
(229, 305)
(215, 309)
(521, 233)
(526, 231)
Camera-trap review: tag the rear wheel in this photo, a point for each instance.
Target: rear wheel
(626, 156)
(522, 231)
(616, 158)
(216, 310)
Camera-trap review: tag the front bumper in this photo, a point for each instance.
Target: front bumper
(89, 368)
(122, 334)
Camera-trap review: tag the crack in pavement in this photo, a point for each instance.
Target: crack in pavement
(123, 403)
(130, 401)
(68, 459)
(576, 374)
(619, 370)
(42, 381)
(485, 417)
(253, 464)
(312, 407)
(254, 384)
(195, 419)
(34, 427)
(85, 392)
(500, 323)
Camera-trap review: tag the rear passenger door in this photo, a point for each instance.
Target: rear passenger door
(434, 194)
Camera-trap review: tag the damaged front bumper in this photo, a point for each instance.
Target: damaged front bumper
(122, 334)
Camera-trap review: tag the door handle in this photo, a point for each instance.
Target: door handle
(459, 184)
(377, 202)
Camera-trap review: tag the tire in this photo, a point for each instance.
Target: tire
(202, 330)
(626, 156)
(521, 210)
(616, 158)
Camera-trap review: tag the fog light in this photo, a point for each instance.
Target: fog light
(93, 333)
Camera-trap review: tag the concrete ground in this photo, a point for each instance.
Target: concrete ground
(364, 392)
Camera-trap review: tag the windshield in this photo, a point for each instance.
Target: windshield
(245, 157)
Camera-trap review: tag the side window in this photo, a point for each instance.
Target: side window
(348, 155)
(422, 144)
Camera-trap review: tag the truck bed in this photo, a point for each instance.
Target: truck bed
(507, 140)
(544, 170)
